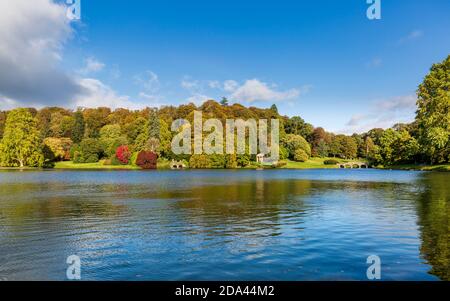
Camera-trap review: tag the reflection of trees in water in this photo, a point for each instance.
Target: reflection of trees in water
(247, 199)
(434, 220)
(21, 202)
(250, 209)
(249, 205)
(249, 214)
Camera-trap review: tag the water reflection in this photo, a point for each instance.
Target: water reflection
(229, 225)
(433, 209)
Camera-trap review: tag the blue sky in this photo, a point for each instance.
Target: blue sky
(322, 60)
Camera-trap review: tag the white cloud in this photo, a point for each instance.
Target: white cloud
(383, 114)
(149, 81)
(152, 100)
(7, 103)
(413, 35)
(150, 84)
(230, 85)
(197, 98)
(31, 41)
(214, 84)
(255, 90)
(196, 89)
(32, 37)
(100, 95)
(92, 65)
(249, 91)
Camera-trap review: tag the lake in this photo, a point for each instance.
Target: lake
(225, 224)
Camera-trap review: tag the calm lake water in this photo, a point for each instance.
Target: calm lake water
(225, 225)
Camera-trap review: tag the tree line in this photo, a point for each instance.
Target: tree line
(39, 138)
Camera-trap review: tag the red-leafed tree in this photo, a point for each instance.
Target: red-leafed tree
(147, 160)
(123, 154)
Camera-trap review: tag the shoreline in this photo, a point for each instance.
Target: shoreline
(314, 163)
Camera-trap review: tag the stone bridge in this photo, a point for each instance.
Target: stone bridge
(353, 165)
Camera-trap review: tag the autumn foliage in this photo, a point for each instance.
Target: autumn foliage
(123, 154)
(147, 160)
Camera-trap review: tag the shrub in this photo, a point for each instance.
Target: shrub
(91, 158)
(243, 160)
(77, 158)
(61, 147)
(284, 154)
(330, 162)
(116, 144)
(231, 161)
(90, 150)
(115, 161)
(73, 149)
(199, 161)
(294, 142)
(147, 160)
(217, 161)
(279, 164)
(133, 158)
(123, 154)
(300, 155)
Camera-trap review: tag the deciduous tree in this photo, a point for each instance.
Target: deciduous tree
(21, 143)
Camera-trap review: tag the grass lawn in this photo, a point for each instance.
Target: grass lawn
(441, 167)
(312, 163)
(162, 164)
(97, 165)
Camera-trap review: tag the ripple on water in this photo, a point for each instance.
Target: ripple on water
(212, 225)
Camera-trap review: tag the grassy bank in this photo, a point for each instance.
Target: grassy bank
(97, 165)
(312, 163)
(162, 164)
(441, 167)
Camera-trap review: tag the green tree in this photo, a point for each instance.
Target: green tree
(199, 161)
(94, 120)
(433, 113)
(44, 117)
(154, 124)
(231, 161)
(396, 147)
(78, 127)
(110, 139)
(322, 149)
(300, 155)
(165, 146)
(134, 128)
(343, 146)
(349, 148)
(2, 123)
(294, 142)
(296, 125)
(319, 138)
(21, 143)
(90, 151)
(60, 147)
(369, 147)
(224, 101)
(154, 135)
(274, 108)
